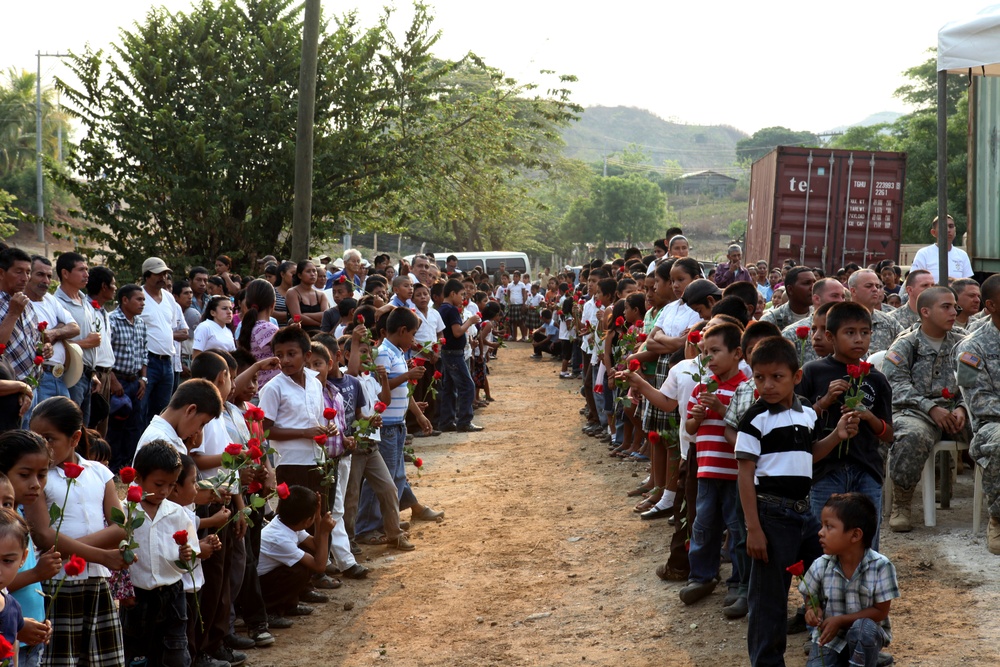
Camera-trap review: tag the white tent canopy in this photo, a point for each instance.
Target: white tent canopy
(971, 46)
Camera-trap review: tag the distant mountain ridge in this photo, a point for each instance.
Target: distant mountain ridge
(604, 130)
(874, 119)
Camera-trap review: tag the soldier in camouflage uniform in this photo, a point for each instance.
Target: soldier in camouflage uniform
(799, 282)
(978, 375)
(826, 290)
(924, 396)
(916, 282)
(866, 289)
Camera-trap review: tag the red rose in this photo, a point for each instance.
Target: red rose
(435, 348)
(39, 360)
(694, 337)
(865, 367)
(96, 305)
(945, 393)
(653, 437)
(320, 439)
(254, 453)
(42, 326)
(796, 569)
(802, 333)
(418, 462)
(442, 341)
(633, 365)
(253, 442)
(296, 318)
(361, 319)
(75, 566)
(756, 394)
(6, 649)
(329, 413)
(417, 361)
(72, 470)
(854, 371)
(639, 324)
(3, 348)
(438, 375)
(582, 301)
(258, 413)
(641, 338)
(620, 321)
(342, 279)
(127, 475)
(380, 407)
(559, 313)
(134, 494)
(181, 538)
(283, 491)
(254, 487)
(598, 388)
(234, 449)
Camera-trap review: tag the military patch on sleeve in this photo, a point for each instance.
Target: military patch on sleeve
(969, 359)
(895, 357)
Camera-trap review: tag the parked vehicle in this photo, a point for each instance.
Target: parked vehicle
(824, 207)
(490, 260)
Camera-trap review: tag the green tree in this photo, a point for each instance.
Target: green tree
(876, 137)
(763, 141)
(617, 209)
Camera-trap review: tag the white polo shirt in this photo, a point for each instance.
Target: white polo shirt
(214, 440)
(431, 326)
(157, 550)
(160, 320)
(289, 405)
(279, 547)
(210, 335)
(160, 429)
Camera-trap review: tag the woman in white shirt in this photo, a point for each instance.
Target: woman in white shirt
(214, 332)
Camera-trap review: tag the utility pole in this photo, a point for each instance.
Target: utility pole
(39, 179)
(302, 207)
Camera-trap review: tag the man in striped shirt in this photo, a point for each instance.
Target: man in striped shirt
(717, 491)
(775, 452)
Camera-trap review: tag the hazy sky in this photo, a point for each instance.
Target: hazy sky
(804, 65)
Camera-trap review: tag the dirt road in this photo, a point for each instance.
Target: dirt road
(541, 562)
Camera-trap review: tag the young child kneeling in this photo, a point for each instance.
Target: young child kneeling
(289, 556)
(852, 585)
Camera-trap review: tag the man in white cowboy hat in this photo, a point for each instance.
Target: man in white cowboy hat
(159, 316)
(61, 328)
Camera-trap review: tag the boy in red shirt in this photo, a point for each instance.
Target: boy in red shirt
(718, 493)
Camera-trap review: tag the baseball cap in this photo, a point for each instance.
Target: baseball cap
(699, 289)
(155, 265)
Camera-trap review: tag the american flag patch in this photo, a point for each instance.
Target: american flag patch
(895, 357)
(970, 359)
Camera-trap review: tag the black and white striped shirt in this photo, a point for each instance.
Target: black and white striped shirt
(780, 440)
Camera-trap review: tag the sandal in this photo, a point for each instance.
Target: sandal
(374, 540)
(644, 506)
(639, 491)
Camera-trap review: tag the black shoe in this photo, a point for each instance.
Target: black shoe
(300, 610)
(261, 637)
(651, 514)
(797, 623)
(279, 622)
(355, 548)
(884, 659)
(313, 596)
(355, 572)
(226, 654)
(470, 428)
(238, 643)
(695, 591)
(738, 609)
(449, 428)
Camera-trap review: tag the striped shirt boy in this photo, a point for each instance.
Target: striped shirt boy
(780, 441)
(715, 455)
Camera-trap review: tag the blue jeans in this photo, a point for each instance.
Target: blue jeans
(123, 434)
(864, 641)
(80, 393)
(160, 373)
(845, 479)
(30, 656)
(602, 415)
(716, 507)
(48, 386)
(391, 449)
(792, 535)
(457, 391)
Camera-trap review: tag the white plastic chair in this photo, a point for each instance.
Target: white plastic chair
(927, 481)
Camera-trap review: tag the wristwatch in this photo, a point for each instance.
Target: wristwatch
(143, 379)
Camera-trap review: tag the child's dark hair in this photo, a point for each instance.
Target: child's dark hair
(156, 455)
(208, 365)
(346, 305)
(100, 450)
(244, 359)
(623, 283)
(367, 315)
(16, 444)
(618, 310)
(607, 287)
(491, 310)
(210, 308)
(453, 285)
(329, 341)
(757, 331)
(294, 335)
(746, 292)
(734, 307)
(775, 350)
(855, 510)
(200, 393)
(320, 350)
(825, 308)
(845, 313)
(12, 525)
(188, 467)
(259, 296)
(546, 314)
(730, 333)
(637, 301)
(65, 417)
(298, 506)
(401, 318)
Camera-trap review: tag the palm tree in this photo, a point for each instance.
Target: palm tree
(18, 122)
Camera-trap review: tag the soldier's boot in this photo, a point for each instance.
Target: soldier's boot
(993, 536)
(899, 520)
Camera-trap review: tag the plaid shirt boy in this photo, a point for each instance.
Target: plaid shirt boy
(128, 340)
(873, 582)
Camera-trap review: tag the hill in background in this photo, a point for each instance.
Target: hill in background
(604, 130)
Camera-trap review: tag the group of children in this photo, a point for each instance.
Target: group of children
(780, 463)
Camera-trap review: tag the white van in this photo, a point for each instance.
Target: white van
(489, 260)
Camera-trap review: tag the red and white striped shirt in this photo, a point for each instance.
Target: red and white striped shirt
(715, 455)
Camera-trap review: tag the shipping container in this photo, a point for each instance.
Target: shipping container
(825, 208)
(983, 235)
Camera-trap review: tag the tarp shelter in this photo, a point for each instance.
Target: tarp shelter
(970, 47)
